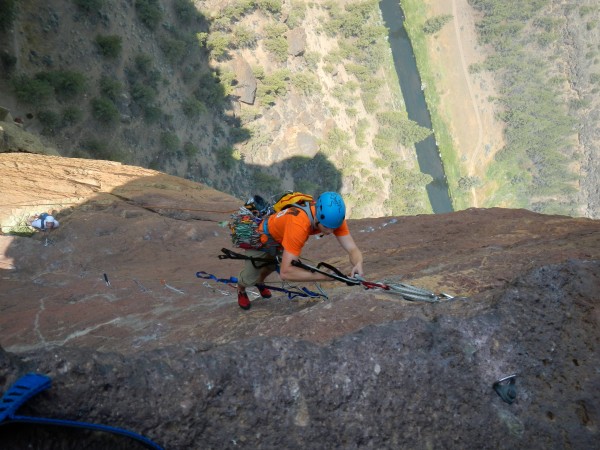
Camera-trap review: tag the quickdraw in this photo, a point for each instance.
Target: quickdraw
(302, 292)
(407, 292)
(336, 275)
(207, 276)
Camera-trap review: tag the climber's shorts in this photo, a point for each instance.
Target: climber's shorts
(250, 274)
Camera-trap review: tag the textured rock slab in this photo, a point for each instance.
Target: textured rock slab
(166, 354)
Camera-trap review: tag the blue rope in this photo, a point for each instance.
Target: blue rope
(303, 292)
(31, 384)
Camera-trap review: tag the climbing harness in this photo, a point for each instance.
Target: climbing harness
(300, 292)
(407, 292)
(31, 384)
(506, 388)
(228, 254)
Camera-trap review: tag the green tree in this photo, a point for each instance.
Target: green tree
(104, 110)
(8, 12)
(276, 41)
(185, 11)
(218, 44)
(193, 108)
(67, 84)
(170, 142)
(149, 12)
(109, 46)
(110, 87)
(173, 49)
(244, 37)
(436, 23)
(307, 83)
(89, 6)
(190, 149)
(32, 90)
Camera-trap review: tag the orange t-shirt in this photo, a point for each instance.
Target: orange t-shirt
(291, 228)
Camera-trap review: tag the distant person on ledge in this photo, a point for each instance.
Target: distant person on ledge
(44, 222)
(289, 229)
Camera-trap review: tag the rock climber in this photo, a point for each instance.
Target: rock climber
(289, 230)
(44, 222)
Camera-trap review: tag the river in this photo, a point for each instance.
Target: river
(428, 154)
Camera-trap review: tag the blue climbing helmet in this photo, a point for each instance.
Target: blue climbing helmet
(331, 209)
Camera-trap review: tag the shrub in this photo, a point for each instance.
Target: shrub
(218, 43)
(266, 183)
(169, 141)
(235, 10)
(360, 134)
(104, 110)
(173, 49)
(71, 115)
(190, 149)
(312, 59)
(89, 6)
(8, 63)
(210, 91)
(244, 37)
(50, 120)
(239, 134)
(259, 72)
(193, 108)
(336, 139)
(227, 81)
(468, 182)
(110, 88)
(185, 11)
(436, 23)
(224, 157)
(32, 90)
(276, 42)
(273, 6)
(8, 12)
(149, 12)
(67, 84)
(143, 63)
(152, 114)
(202, 37)
(109, 46)
(297, 14)
(273, 86)
(142, 94)
(306, 82)
(100, 150)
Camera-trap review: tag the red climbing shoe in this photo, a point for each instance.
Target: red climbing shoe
(243, 300)
(264, 292)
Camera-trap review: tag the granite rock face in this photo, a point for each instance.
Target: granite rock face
(160, 352)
